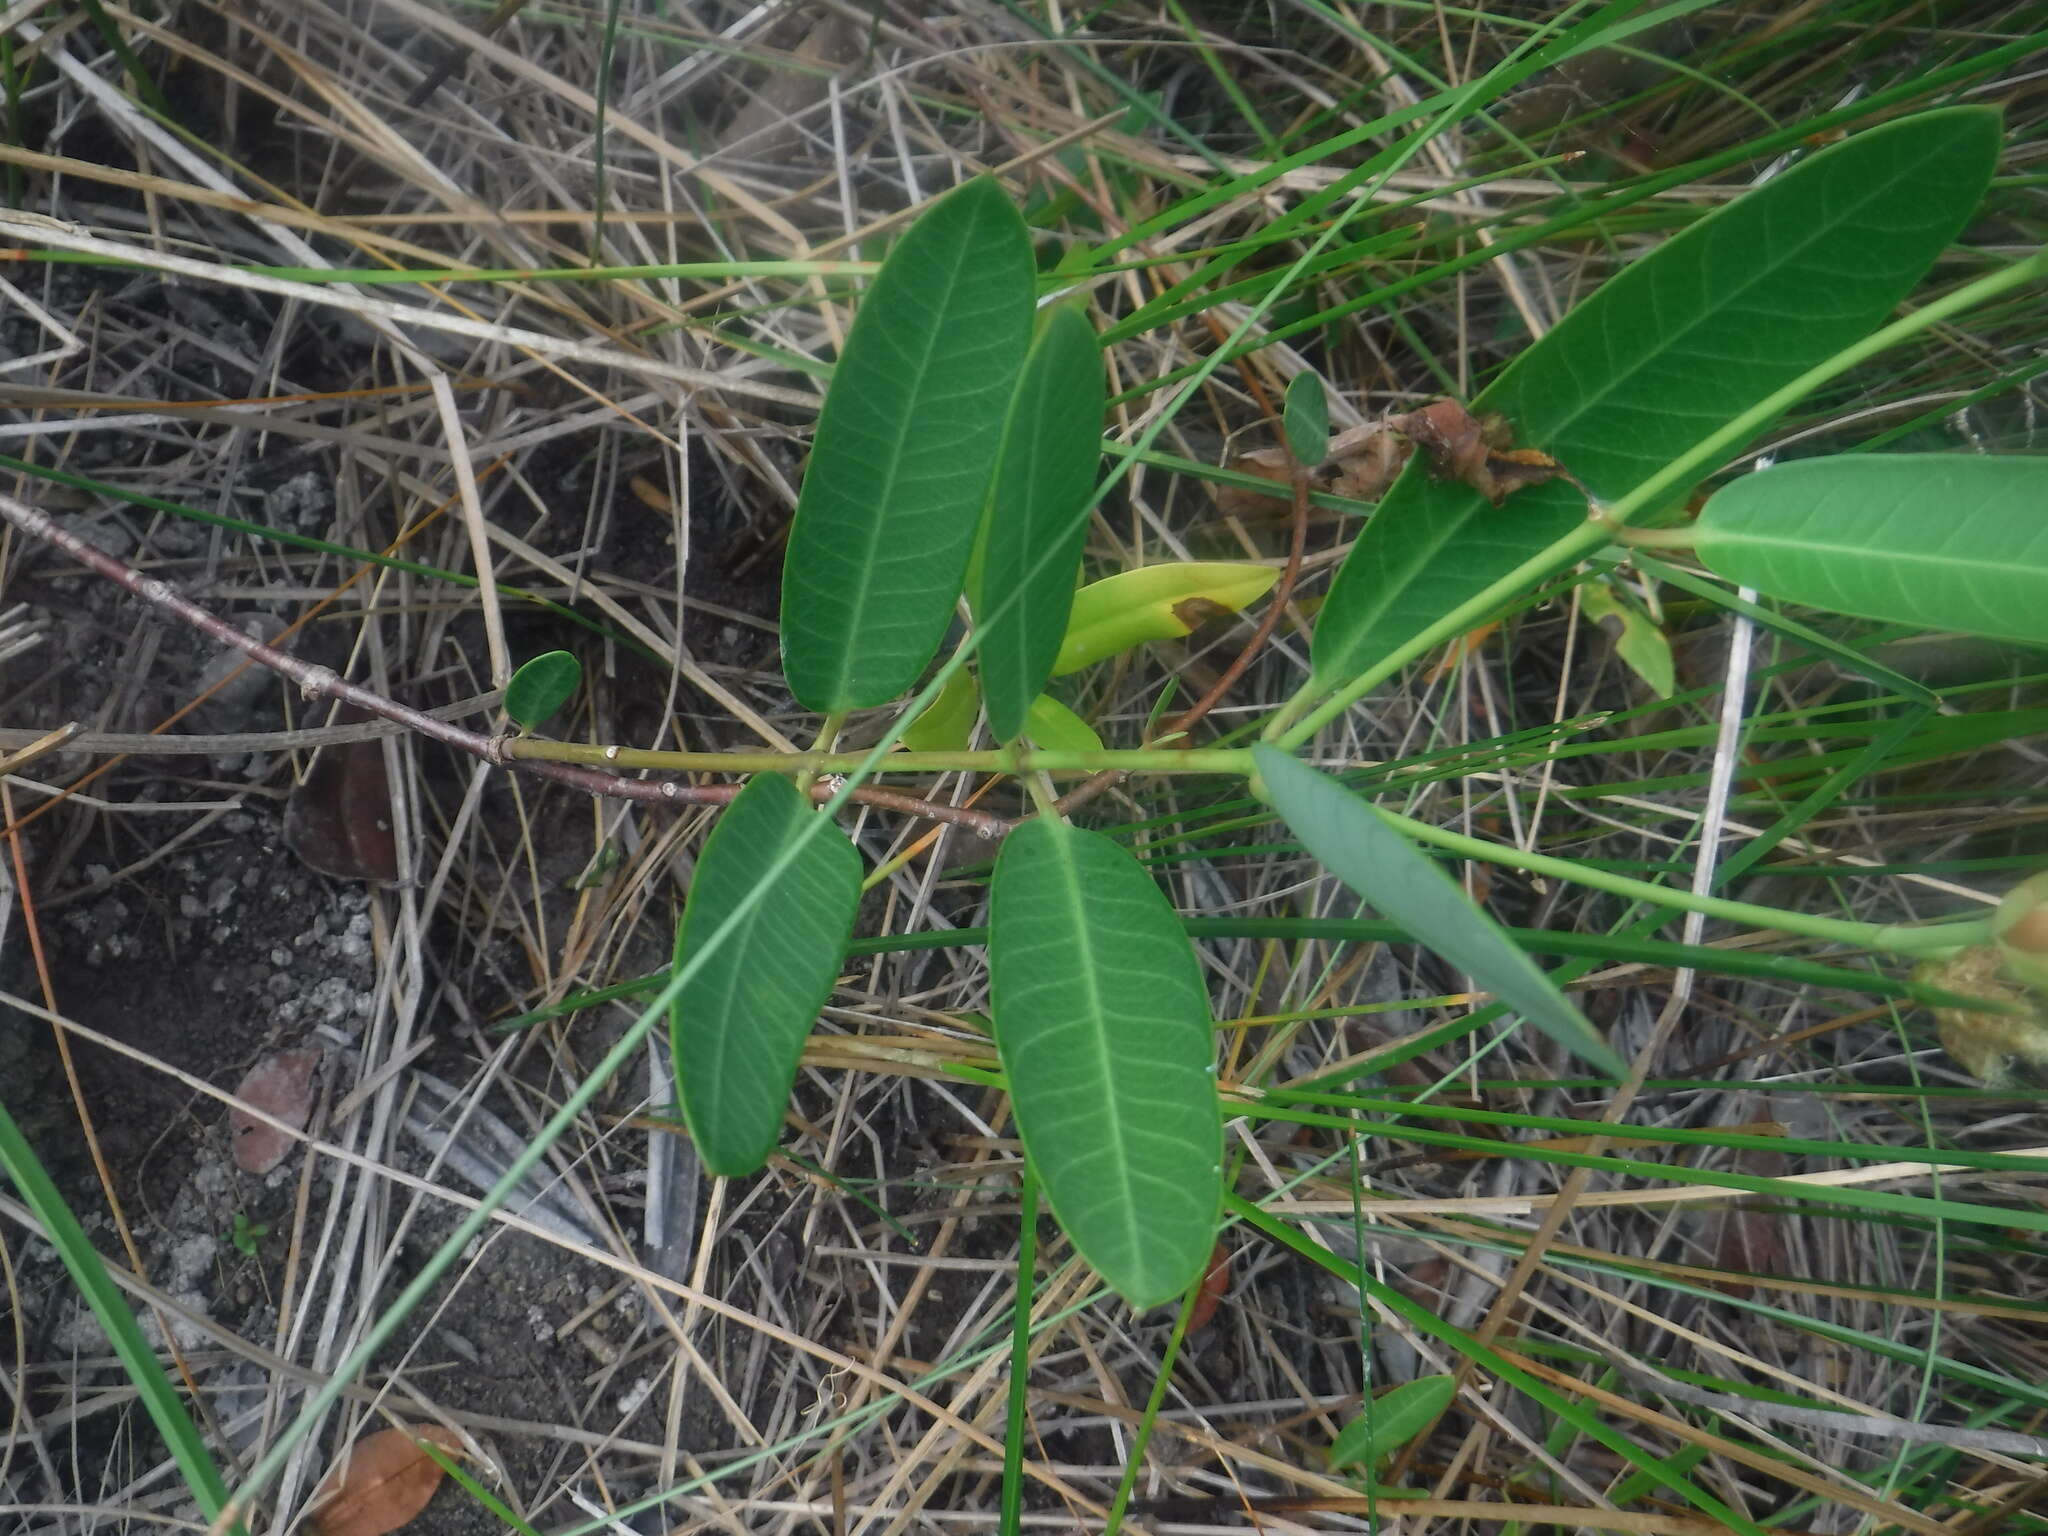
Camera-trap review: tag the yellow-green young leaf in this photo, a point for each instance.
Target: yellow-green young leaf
(541, 687)
(1102, 1023)
(1391, 1420)
(1052, 725)
(1022, 585)
(1638, 642)
(1155, 602)
(1354, 841)
(1666, 351)
(738, 1026)
(1942, 540)
(905, 449)
(948, 725)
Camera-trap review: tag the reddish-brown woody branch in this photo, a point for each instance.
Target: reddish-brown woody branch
(324, 682)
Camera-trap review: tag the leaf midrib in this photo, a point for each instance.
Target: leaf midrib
(1076, 903)
(1815, 233)
(871, 529)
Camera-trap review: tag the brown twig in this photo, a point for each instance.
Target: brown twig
(316, 681)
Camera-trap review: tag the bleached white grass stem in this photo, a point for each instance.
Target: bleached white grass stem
(475, 525)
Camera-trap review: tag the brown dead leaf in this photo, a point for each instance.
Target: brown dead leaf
(1361, 464)
(1745, 1239)
(1241, 500)
(338, 820)
(1474, 450)
(383, 1482)
(281, 1085)
(1366, 460)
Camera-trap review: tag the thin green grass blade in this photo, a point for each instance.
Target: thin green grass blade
(476, 1489)
(1031, 545)
(1018, 1426)
(1609, 949)
(138, 1359)
(1102, 1023)
(905, 449)
(738, 1026)
(1666, 352)
(1942, 541)
(146, 89)
(1426, 1322)
(1356, 844)
(1848, 655)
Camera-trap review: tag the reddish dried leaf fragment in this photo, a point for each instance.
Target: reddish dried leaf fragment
(1194, 612)
(338, 820)
(1473, 450)
(1215, 1281)
(1746, 1240)
(1452, 437)
(281, 1085)
(1362, 463)
(1268, 464)
(384, 1481)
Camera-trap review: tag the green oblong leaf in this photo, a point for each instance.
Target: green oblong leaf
(1306, 420)
(1050, 724)
(1393, 1419)
(1356, 843)
(739, 1026)
(541, 687)
(1103, 1026)
(905, 447)
(1945, 541)
(1155, 602)
(1671, 348)
(1031, 544)
(947, 725)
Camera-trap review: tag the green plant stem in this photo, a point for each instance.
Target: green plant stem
(1020, 1356)
(1016, 760)
(1899, 939)
(1653, 538)
(1161, 1380)
(1291, 728)
(1902, 939)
